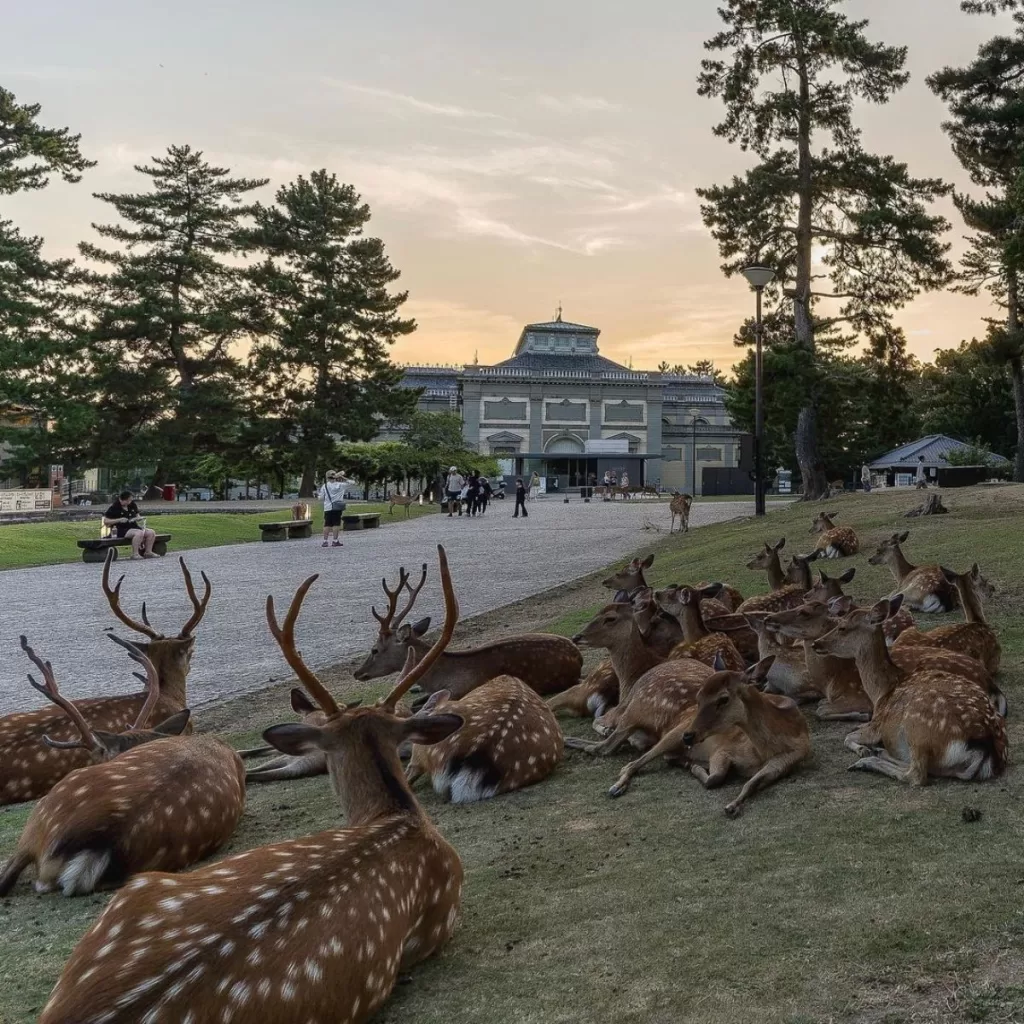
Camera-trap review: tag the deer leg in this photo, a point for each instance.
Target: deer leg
(829, 711)
(599, 748)
(256, 752)
(669, 743)
(769, 774)
(720, 763)
(412, 772)
(885, 765)
(863, 741)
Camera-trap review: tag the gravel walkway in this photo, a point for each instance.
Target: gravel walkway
(495, 560)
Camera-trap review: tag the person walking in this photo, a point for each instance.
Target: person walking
(520, 498)
(485, 493)
(453, 485)
(865, 477)
(534, 486)
(473, 493)
(332, 494)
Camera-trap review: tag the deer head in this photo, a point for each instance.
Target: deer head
(807, 622)
(721, 701)
(674, 599)
(823, 522)
(799, 571)
(829, 587)
(630, 577)
(856, 631)
(101, 745)
(612, 626)
(768, 559)
(889, 549)
(395, 640)
(973, 580)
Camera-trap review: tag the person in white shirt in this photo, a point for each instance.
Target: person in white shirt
(332, 494)
(453, 485)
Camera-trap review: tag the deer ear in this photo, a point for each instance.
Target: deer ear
(295, 738)
(647, 562)
(975, 571)
(840, 605)
(759, 671)
(404, 633)
(428, 706)
(712, 590)
(301, 704)
(419, 628)
(719, 665)
(903, 536)
(895, 604)
(848, 575)
(832, 515)
(780, 545)
(879, 612)
(175, 725)
(429, 729)
(822, 578)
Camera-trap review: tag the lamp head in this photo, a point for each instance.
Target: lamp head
(758, 277)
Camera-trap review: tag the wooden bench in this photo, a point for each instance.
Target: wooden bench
(294, 529)
(96, 550)
(360, 521)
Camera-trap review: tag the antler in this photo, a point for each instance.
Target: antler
(414, 592)
(198, 607)
(48, 687)
(390, 622)
(285, 638)
(411, 672)
(150, 678)
(114, 600)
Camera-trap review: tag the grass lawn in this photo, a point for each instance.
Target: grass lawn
(835, 897)
(26, 544)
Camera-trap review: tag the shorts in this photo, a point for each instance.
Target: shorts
(332, 517)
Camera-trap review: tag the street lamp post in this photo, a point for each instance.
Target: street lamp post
(758, 278)
(693, 453)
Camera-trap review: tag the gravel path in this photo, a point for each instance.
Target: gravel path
(495, 560)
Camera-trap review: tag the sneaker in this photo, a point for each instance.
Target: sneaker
(325, 544)
(336, 544)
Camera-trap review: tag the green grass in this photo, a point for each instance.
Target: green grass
(835, 897)
(26, 544)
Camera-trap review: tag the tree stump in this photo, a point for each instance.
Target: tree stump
(932, 507)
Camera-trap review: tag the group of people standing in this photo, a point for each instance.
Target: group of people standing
(473, 491)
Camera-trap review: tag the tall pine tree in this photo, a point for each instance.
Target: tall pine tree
(793, 71)
(321, 364)
(169, 312)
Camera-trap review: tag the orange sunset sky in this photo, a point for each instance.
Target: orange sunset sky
(515, 156)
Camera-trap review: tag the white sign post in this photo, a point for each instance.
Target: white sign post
(25, 501)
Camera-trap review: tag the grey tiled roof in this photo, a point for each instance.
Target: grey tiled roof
(543, 361)
(933, 447)
(561, 325)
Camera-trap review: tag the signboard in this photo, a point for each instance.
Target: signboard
(606, 446)
(25, 501)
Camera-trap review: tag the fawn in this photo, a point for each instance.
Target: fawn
(680, 506)
(699, 642)
(926, 723)
(924, 588)
(151, 799)
(314, 928)
(28, 769)
(833, 541)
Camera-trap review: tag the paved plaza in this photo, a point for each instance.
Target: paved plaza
(495, 560)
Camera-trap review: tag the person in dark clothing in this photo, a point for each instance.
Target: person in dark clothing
(485, 493)
(473, 497)
(520, 498)
(123, 518)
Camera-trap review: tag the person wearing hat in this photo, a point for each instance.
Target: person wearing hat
(332, 494)
(453, 488)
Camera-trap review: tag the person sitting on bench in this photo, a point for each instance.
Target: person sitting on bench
(123, 518)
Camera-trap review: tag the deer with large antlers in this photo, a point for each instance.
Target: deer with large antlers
(151, 799)
(28, 769)
(926, 723)
(544, 662)
(833, 541)
(310, 929)
(925, 588)
(974, 636)
(683, 604)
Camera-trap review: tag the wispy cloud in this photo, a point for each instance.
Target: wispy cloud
(404, 100)
(578, 104)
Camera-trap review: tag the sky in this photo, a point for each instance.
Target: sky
(516, 157)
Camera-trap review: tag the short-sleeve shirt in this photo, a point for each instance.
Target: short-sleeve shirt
(118, 511)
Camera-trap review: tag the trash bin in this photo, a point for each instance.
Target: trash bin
(170, 492)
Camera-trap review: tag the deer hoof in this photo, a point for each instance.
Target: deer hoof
(618, 789)
(859, 766)
(732, 810)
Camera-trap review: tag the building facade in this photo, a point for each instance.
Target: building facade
(559, 408)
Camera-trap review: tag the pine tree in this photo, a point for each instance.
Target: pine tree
(321, 365)
(794, 70)
(169, 312)
(43, 370)
(986, 101)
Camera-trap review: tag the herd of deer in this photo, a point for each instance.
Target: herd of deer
(320, 927)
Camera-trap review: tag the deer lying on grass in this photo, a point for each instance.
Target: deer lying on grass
(310, 929)
(544, 662)
(593, 697)
(402, 501)
(833, 541)
(930, 722)
(683, 603)
(787, 671)
(829, 588)
(509, 740)
(285, 766)
(924, 588)
(28, 769)
(628, 581)
(788, 588)
(680, 506)
(151, 800)
(974, 636)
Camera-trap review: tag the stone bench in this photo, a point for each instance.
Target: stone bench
(294, 529)
(360, 521)
(96, 550)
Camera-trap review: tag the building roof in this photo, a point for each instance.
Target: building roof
(933, 447)
(563, 325)
(544, 361)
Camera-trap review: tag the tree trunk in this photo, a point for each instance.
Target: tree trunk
(1016, 370)
(308, 482)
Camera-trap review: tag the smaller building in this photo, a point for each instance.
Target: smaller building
(899, 467)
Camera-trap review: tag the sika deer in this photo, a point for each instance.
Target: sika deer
(285, 766)
(509, 740)
(787, 590)
(544, 662)
(787, 672)
(680, 506)
(833, 541)
(310, 929)
(28, 769)
(402, 501)
(598, 693)
(926, 723)
(151, 800)
(683, 603)
(974, 637)
(924, 588)
(829, 588)
(629, 580)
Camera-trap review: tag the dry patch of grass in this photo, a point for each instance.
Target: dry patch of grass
(835, 897)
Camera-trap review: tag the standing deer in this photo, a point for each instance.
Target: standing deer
(28, 769)
(683, 604)
(402, 501)
(509, 740)
(310, 929)
(974, 636)
(680, 506)
(924, 588)
(151, 800)
(926, 723)
(833, 541)
(544, 662)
